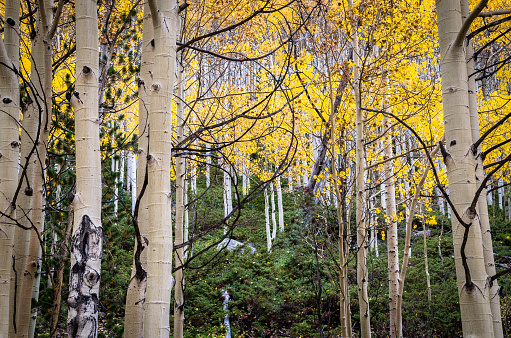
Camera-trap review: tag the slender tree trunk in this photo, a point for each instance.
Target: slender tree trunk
(267, 220)
(363, 298)
(159, 258)
(87, 238)
(392, 240)
(180, 186)
(344, 305)
(59, 276)
(208, 165)
(472, 278)
(426, 266)
(280, 204)
(408, 241)
(135, 297)
(273, 219)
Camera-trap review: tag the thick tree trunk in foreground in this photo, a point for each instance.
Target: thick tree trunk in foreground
(87, 238)
(9, 152)
(135, 298)
(159, 256)
(472, 278)
(482, 203)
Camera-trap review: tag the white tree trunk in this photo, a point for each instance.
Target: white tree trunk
(208, 165)
(133, 180)
(179, 315)
(362, 238)
(273, 218)
(500, 193)
(135, 297)
(361, 221)
(392, 240)
(87, 239)
(280, 204)
(159, 258)
(9, 151)
(482, 206)
(115, 169)
(267, 220)
(35, 123)
(471, 273)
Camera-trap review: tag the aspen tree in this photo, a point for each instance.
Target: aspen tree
(363, 298)
(472, 278)
(135, 297)
(267, 220)
(87, 238)
(9, 152)
(279, 204)
(273, 218)
(344, 305)
(37, 121)
(482, 203)
(392, 240)
(180, 208)
(159, 256)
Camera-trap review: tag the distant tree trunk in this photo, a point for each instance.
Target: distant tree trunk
(208, 165)
(87, 238)
(9, 153)
(267, 220)
(180, 208)
(59, 275)
(135, 298)
(472, 278)
(345, 311)
(159, 258)
(280, 205)
(408, 239)
(392, 240)
(426, 266)
(273, 218)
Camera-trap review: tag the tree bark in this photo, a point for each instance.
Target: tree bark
(482, 203)
(267, 220)
(392, 240)
(363, 298)
(180, 208)
(159, 257)
(87, 238)
(9, 152)
(135, 297)
(460, 161)
(38, 123)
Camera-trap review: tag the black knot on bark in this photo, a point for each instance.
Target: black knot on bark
(29, 191)
(11, 22)
(152, 43)
(6, 100)
(86, 70)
